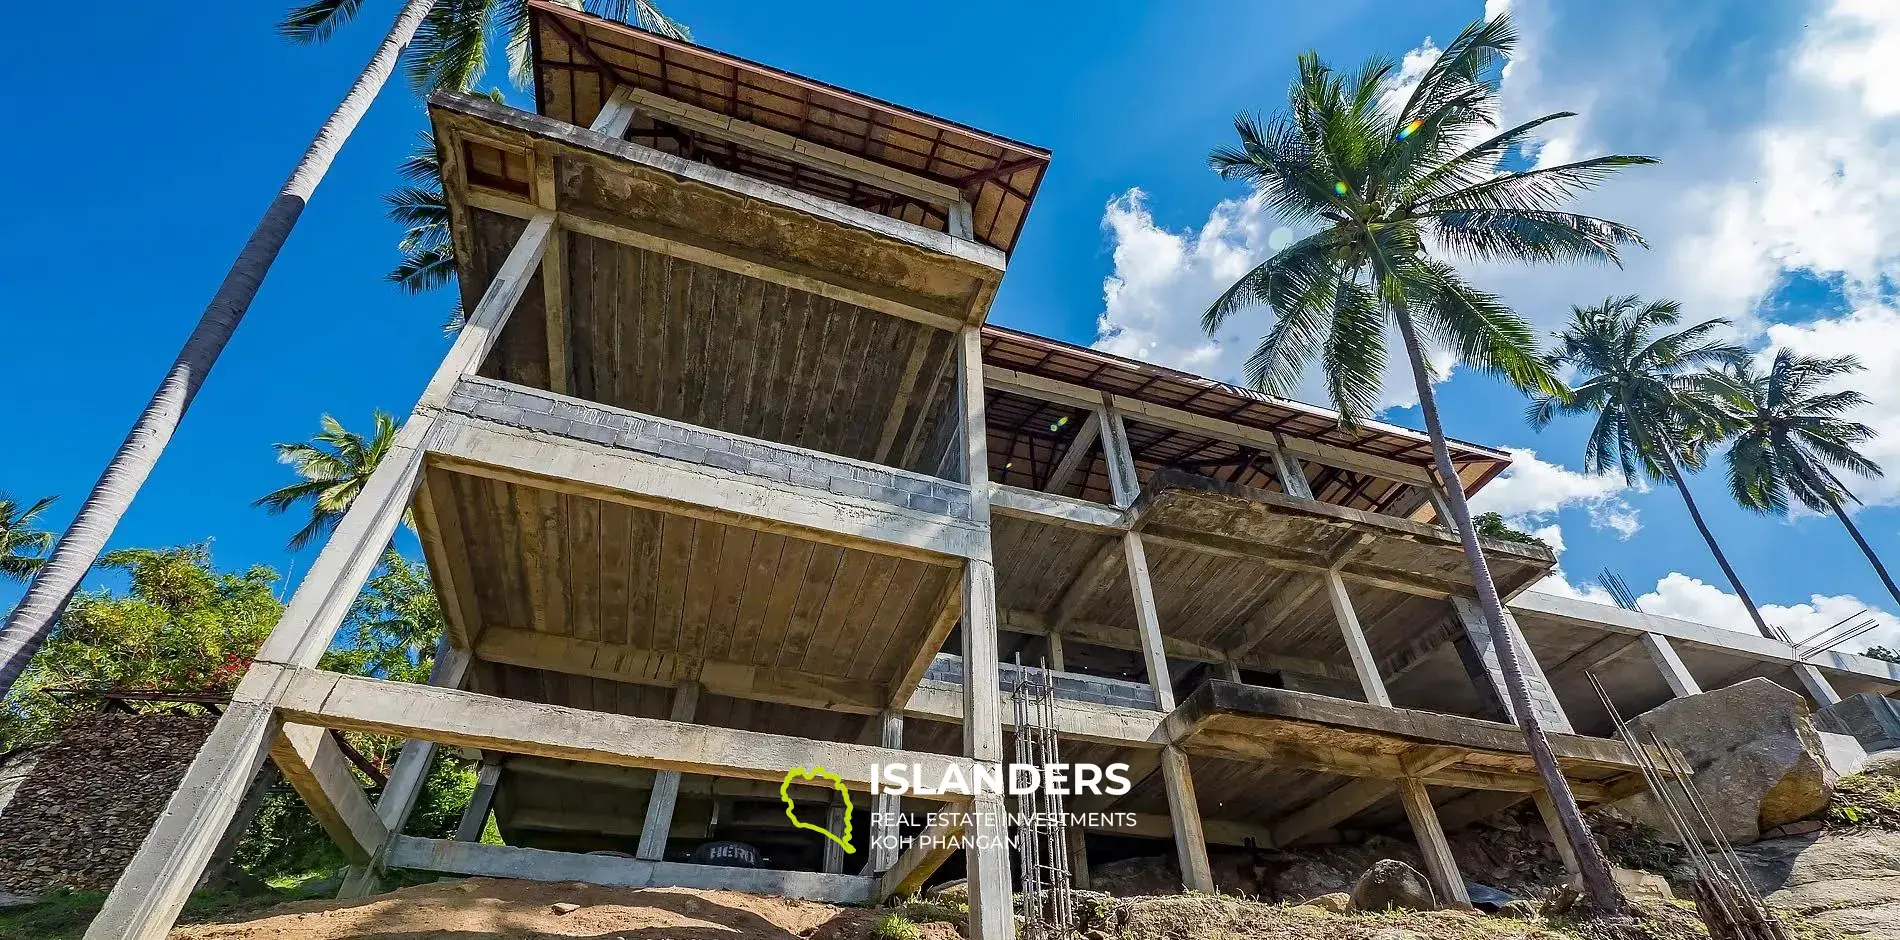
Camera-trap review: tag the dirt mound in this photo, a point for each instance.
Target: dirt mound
(494, 909)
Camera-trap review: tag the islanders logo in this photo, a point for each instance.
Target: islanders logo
(791, 811)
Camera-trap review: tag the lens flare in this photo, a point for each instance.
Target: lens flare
(1059, 423)
(1411, 127)
(1340, 187)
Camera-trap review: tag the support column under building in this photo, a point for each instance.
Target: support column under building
(1681, 682)
(666, 784)
(1440, 866)
(986, 857)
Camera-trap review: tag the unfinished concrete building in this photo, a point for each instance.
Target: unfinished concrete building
(727, 475)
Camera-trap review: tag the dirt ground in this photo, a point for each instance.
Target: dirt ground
(492, 909)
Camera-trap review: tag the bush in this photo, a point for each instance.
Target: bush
(895, 927)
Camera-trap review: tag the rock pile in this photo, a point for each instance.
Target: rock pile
(81, 814)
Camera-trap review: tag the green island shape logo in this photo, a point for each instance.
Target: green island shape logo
(785, 793)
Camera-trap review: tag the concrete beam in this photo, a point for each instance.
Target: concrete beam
(1681, 681)
(574, 656)
(475, 814)
(1051, 509)
(1075, 720)
(503, 861)
(569, 465)
(1074, 455)
(1357, 649)
(467, 719)
(927, 853)
(1351, 798)
(1123, 481)
(1153, 650)
(315, 767)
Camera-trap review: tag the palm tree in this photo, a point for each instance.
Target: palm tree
(1654, 417)
(1397, 183)
(1790, 438)
(73, 555)
(334, 466)
(21, 545)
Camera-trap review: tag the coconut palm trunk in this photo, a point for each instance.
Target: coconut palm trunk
(26, 628)
(1595, 868)
(1721, 559)
(1866, 549)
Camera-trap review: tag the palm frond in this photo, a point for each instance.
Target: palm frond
(316, 21)
(1519, 235)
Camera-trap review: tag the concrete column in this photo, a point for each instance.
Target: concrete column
(267, 778)
(1681, 683)
(987, 858)
(886, 806)
(1077, 838)
(1817, 685)
(1057, 660)
(475, 814)
(1559, 839)
(1153, 652)
(1229, 670)
(666, 784)
(1439, 864)
(834, 821)
(1184, 810)
(1481, 662)
(1363, 662)
(1292, 475)
(1122, 479)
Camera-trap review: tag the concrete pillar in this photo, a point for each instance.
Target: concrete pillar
(1363, 662)
(1229, 670)
(147, 898)
(267, 778)
(1559, 839)
(1817, 685)
(1292, 475)
(1057, 661)
(1439, 864)
(1148, 621)
(834, 822)
(1184, 810)
(666, 784)
(1681, 683)
(475, 814)
(987, 858)
(1120, 457)
(886, 807)
(1077, 838)
(1487, 676)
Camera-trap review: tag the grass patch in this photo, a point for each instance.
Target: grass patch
(895, 927)
(1865, 800)
(61, 914)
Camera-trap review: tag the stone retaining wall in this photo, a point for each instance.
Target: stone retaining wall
(79, 816)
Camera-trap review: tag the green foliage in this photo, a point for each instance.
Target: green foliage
(1491, 525)
(61, 914)
(333, 467)
(895, 927)
(1788, 431)
(21, 544)
(1636, 374)
(392, 629)
(1870, 800)
(1395, 190)
(1883, 652)
(179, 626)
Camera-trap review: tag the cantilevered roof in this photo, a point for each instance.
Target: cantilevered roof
(1100, 371)
(579, 59)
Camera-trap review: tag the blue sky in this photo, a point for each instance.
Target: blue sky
(1777, 122)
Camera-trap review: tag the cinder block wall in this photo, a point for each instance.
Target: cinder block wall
(79, 816)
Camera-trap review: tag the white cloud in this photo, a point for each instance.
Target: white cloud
(1686, 598)
(1163, 280)
(1533, 490)
(1873, 334)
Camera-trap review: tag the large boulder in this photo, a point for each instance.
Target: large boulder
(1847, 883)
(1757, 759)
(1390, 884)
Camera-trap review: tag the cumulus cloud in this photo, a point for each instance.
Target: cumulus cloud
(1686, 598)
(1163, 279)
(1873, 334)
(1533, 490)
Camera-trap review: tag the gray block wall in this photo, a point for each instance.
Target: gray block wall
(520, 407)
(1873, 720)
(1480, 656)
(1072, 686)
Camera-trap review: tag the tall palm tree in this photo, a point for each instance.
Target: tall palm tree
(1638, 375)
(1397, 183)
(22, 545)
(1790, 438)
(73, 555)
(334, 466)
